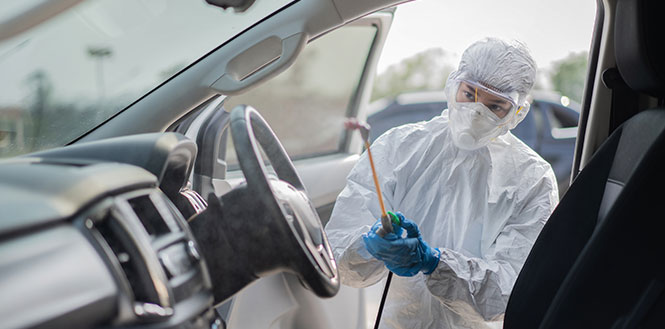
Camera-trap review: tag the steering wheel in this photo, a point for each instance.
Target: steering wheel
(282, 219)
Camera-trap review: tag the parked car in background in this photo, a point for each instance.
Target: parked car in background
(550, 127)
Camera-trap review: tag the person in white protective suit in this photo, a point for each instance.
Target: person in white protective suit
(466, 187)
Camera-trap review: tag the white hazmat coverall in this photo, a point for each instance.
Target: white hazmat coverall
(483, 209)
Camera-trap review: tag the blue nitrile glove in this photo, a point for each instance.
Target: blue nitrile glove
(404, 256)
(378, 246)
(427, 258)
(392, 249)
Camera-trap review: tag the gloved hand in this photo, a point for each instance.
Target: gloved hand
(404, 256)
(393, 249)
(425, 258)
(378, 246)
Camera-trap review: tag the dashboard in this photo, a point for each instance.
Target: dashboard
(96, 235)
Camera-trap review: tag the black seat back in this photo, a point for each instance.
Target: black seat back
(597, 262)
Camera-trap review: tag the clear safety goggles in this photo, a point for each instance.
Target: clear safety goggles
(501, 106)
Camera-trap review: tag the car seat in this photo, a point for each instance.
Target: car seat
(598, 261)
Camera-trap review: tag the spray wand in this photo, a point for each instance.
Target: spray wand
(386, 225)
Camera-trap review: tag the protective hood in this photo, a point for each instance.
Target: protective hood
(506, 68)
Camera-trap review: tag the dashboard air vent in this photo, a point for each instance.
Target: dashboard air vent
(139, 262)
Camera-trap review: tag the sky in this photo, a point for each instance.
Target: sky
(551, 29)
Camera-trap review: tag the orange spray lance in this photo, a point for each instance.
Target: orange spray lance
(386, 217)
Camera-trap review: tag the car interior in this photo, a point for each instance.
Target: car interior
(592, 265)
(145, 222)
(123, 226)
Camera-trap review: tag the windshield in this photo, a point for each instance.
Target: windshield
(71, 73)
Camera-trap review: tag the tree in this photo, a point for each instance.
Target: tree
(568, 75)
(427, 70)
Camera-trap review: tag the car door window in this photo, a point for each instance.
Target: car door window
(307, 104)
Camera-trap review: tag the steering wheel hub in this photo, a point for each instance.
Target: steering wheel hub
(305, 226)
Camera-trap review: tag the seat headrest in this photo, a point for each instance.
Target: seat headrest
(638, 40)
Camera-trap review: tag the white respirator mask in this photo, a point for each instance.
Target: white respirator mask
(470, 129)
(473, 124)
